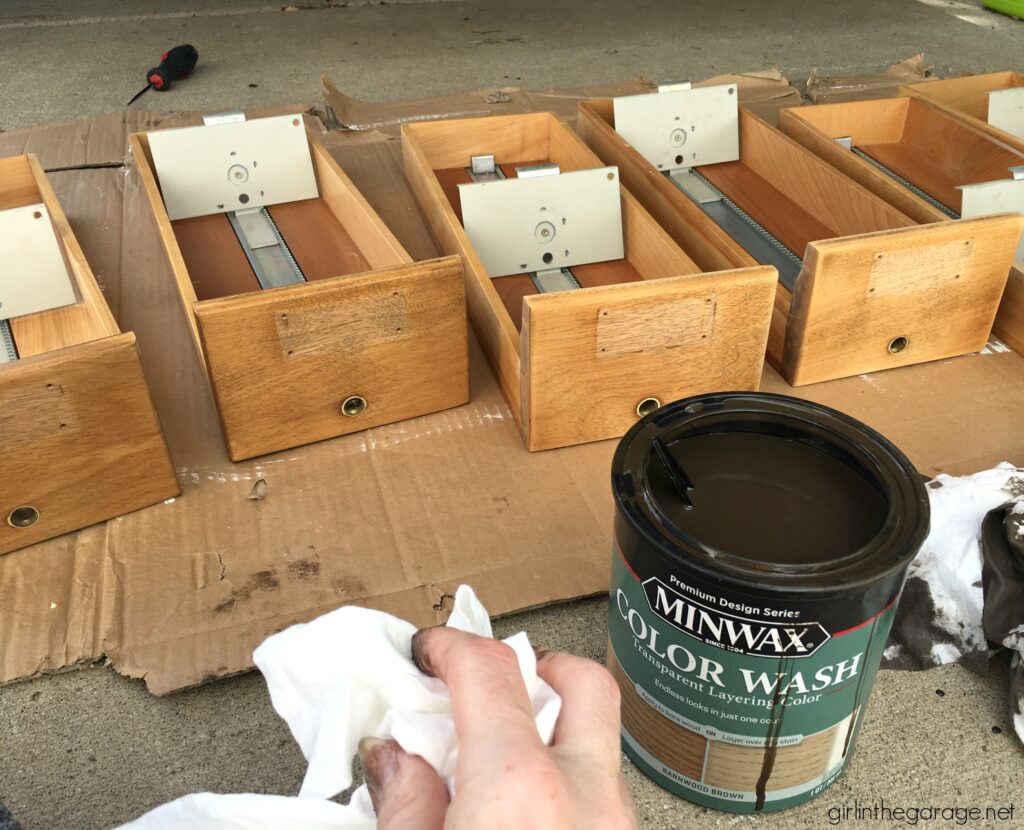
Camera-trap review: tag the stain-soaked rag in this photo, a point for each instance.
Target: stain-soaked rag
(342, 677)
(964, 596)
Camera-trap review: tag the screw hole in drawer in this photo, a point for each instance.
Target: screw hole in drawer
(353, 405)
(647, 406)
(898, 344)
(24, 516)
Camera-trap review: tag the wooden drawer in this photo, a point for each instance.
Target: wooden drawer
(967, 99)
(927, 147)
(80, 441)
(872, 280)
(370, 338)
(578, 365)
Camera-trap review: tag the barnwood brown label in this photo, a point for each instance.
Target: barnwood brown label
(733, 701)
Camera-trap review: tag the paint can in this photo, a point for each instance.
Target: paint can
(761, 544)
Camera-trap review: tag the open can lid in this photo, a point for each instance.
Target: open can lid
(769, 490)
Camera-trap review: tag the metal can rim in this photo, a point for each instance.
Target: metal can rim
(887, 553)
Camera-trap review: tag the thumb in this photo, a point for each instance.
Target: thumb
(406, 792)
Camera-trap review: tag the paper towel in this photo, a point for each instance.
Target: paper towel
(335, 680)
(943, 624)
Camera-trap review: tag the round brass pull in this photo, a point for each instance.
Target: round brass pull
(647, 406)
(24, 516)
(353, 405)
(898, 344)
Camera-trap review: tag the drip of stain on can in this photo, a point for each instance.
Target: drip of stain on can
(761, 544)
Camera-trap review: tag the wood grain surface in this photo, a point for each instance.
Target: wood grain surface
(677, 747)
(494, 328)
(509, 138)
(79, 439)
(879, 121)
(18, 183)
(590, 357)
(932, 149)
(395, 337)
(817, 132)
(368, 323)
(939, 154)
(899, 283)
(966, 97)
(651, 255)
(690, 227)
(215, 263)
(719, 763)
(928, 145)
(1009, 323)
(783, 218)
(218, 267)
(87, 319)
(812, 183)
(737, 767)
(371, 237)
(937, 285)
(317, 240)
(966, 154)
(919, 168)
(138, 148)
(336, 234)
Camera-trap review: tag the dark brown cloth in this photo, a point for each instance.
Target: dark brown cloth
(1002, 573)
(1002, 577)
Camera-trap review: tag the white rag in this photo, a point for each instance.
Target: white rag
(950, 560)
(342, 677)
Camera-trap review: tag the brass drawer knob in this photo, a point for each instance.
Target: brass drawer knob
(647, 406)
(898, 344)
(353, 405)
(24, 516)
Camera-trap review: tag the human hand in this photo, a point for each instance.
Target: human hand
(506, 777)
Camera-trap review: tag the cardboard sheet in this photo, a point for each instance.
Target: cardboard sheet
(102, 140)
(763, 93)
(343, 112)
(825, 89)
(393, 518)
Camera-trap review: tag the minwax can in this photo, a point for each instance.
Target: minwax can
(761, 544)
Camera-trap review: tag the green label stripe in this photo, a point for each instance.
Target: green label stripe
(732, 675)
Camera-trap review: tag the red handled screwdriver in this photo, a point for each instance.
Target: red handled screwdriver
(174, 65)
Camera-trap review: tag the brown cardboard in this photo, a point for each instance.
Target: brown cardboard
(824, 89)
(343, 112)
(763, 93)
(393, 518)
(102, 140)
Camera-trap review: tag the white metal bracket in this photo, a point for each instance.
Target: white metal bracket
(33, 273)
(544, 221)
(483, 169)
(233, 164)
(529, 171)
(672, 86)
(1006, 110)
(215, 118)
(1002, 196)
(681, 126)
